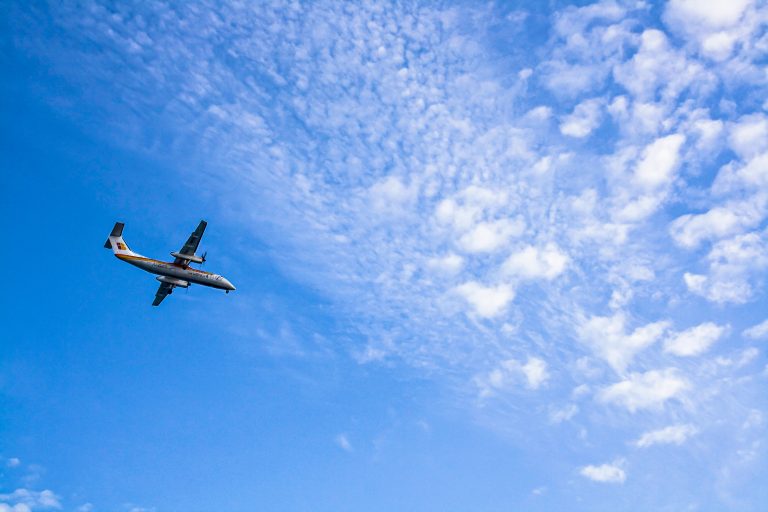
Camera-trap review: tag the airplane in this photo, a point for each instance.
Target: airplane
(178, 273)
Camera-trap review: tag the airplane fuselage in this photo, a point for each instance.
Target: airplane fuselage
(176, 271)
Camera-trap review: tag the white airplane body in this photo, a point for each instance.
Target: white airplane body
(170, 274)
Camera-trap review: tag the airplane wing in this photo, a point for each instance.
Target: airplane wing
(192, 242)
(162, 292)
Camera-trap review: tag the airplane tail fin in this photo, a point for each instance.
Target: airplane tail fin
(116, 242)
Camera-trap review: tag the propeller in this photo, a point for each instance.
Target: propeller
(203, 257)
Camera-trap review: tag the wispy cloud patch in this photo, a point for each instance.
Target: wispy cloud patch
(24, 500)
(757, 332)
(674, 434)
(563, 414)
(715, 27)
(733, 263)
(609, 339)
(486, 301)
(450, 263)
(648, 390)
(342, 441)
(611, 473)
(659, 161)
(510, 373)
(490, 236)
(536, 263)
(695, 340)
(583, 120)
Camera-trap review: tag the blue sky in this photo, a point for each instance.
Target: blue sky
(488, 256)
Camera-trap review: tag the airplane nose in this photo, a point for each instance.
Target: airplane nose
(229, 285)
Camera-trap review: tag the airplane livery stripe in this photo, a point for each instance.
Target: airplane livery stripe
(142, 258)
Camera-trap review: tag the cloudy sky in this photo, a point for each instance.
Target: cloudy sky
(489, 256)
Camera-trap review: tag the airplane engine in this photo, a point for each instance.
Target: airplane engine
(192, 258)
(172, 280)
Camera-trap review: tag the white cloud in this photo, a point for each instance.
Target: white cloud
(343, 442)
(533, 263)
(757, 332)
(608, 339)
(510, 373)
(674, 434)
(564, 414)
(391, 196)
(657, 67)
(749, 136)
(750, 178)
(612, 473)
(449, 264)
(581, 389)
(709, 132)
(587, 41)
(719, 45)
(694, 341)
(24, 500)
(490, 236)
(468, 207)
(695, 282)
(690, 230)
(745, 357)
(487, 301)
(535, 371)
(377, 349)
(733, 264)
(645, 117)
(637, 196)
(715, 26)
(19, 507)
(711, 13)
(639, 208)
(576, 19)
(659, 162)
(130, 507)
(539, 114)
(583, 120)
(648, 390)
